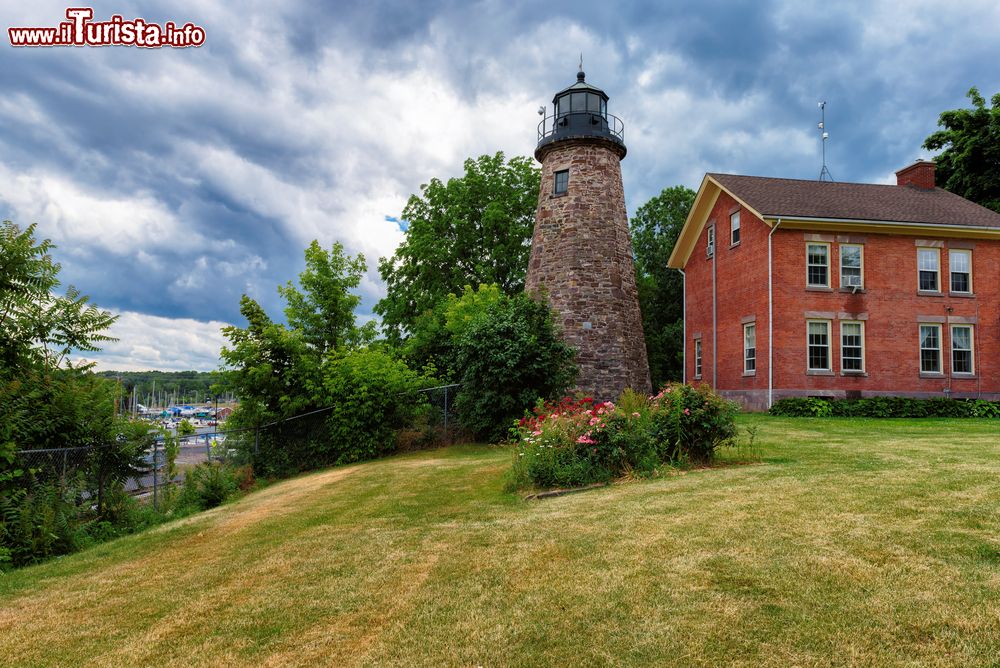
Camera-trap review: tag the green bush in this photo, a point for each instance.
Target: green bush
(373, 395)
(573, 443)
(886, 407)
(691, 422)
(208, 485)
(508, 357)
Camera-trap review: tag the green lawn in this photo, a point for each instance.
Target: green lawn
(854, 542)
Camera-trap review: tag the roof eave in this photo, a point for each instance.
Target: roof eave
(885, 225)
(704, 202)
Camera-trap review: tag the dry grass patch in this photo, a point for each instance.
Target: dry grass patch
(854, 543)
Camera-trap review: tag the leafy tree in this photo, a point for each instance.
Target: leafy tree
(471, 230)
(48, 402)
(432, 342)
(655, 229)
(275, 369)
(37, 327)
(268, 366)
(323, 310)
(970, 163)
(185, 428)
(507, 358)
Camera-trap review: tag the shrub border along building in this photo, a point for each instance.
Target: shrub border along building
(886, 407)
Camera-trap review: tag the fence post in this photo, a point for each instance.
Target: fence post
(446, 438)
(156, 485)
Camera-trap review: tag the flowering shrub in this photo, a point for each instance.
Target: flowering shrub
(575, 442)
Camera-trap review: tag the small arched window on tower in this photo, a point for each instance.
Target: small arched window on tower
(561, 182)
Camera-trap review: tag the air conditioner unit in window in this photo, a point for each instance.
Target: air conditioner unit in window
(852, 281)
(710, 250)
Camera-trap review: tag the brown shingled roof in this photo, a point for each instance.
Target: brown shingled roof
(856, 201)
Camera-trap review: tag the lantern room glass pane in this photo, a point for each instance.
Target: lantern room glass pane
(579, 101)
(593, 103)
(563, 105)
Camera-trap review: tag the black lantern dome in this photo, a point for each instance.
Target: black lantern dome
(581, 111)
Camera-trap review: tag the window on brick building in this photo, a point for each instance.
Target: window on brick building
(960, 266)
(961, 349)
(710, 241)
(930, 348)
(561, 182)
(818, 265)
(852, 346)
(697, 358)
(749, 348)
(851, 263)
(928, 269)
(818, 345)
(734, 228)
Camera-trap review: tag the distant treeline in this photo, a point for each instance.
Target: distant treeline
(162, 388)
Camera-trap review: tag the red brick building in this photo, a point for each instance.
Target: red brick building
(807, 288)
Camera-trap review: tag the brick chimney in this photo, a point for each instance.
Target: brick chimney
(920, 175)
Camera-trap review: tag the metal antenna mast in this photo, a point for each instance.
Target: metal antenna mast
(824, 174)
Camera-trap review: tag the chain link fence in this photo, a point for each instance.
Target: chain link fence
(77, 471)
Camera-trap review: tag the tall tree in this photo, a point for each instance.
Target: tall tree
(970, 163)
(655, 228)
(472, 230)
(38, 328)
(274, 369)
(323, 310)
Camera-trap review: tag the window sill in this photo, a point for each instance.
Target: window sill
(963, 295)
(697, 377)
(856, 374)
(819, 372)
(931, 374)
(818, 288)
(732, 246)
(559, 194)
(964, 376)
(859, 291)
(747, 374)
(929, 293)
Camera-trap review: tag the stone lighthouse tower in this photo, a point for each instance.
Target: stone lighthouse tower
(581, 253)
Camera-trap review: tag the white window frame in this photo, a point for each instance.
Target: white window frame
(710, 241)
(697, 358)
(937, 270)
(827, 265)
(735, 234)
(747, 328)
(861, 328)
(829, 346)
(921, 349)
(951, 272)
(971, 350)
(861, 266)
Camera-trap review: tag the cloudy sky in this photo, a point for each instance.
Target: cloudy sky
(174, 180)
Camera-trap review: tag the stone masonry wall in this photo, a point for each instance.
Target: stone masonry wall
(581, 258)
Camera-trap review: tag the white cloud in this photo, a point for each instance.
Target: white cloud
(170, 344)
(70, 213)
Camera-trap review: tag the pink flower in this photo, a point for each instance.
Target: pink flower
(687, 411)
(594, 421)
(586, 439)
(536, 433)
(635, 415)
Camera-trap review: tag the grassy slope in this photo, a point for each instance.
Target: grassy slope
(855, 542)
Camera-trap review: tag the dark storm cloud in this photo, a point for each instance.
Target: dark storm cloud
(175, 180)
